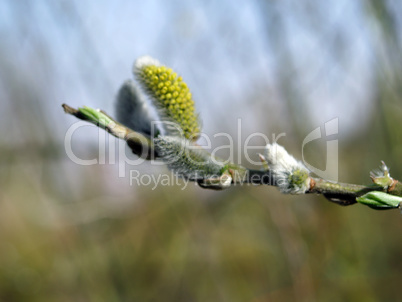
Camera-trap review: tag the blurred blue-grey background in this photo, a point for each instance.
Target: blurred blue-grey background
(72, 232)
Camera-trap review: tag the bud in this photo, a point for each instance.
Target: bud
(290, 175)
(380, 200)
(95, 116)
(217, 183)
(382, 177)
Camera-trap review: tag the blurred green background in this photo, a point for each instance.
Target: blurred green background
(82, 233)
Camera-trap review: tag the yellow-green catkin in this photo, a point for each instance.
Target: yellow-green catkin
(170, 94)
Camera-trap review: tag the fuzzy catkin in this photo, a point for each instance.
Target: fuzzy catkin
(291, 176)
(132, 110)
(170, 95)
(186, 159)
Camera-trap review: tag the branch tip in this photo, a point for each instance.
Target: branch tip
(69, 110)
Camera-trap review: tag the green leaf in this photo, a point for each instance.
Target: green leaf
(95, 116)
(380, 200)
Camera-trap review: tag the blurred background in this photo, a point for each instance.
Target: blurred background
(71, 232)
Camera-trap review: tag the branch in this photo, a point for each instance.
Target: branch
(174, 105)
(221, 176)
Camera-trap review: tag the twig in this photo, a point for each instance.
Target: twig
(138, 143)
(339, 193)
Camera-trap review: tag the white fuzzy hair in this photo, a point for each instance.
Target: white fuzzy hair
(282, 166)
(143, 61)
